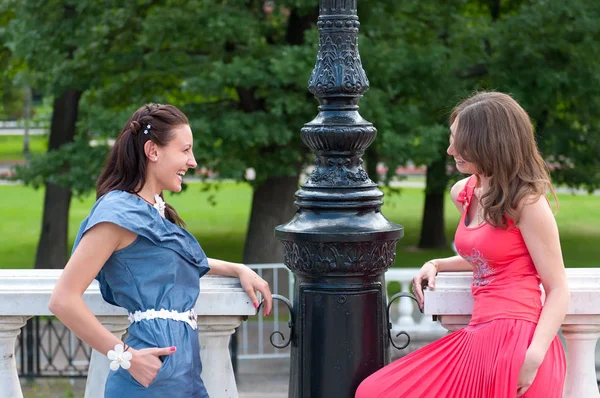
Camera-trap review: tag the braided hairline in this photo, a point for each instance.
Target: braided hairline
(136, 126)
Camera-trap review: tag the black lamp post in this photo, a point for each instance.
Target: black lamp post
(338, 244)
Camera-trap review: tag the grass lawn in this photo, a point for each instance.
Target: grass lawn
(11, 146)
(221, 228)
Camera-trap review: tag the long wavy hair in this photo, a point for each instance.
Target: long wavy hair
(125, 167)
(496, 134)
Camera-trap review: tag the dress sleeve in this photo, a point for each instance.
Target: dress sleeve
(137, 216)
(465, 195)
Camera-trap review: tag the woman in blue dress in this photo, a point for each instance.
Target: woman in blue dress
(136, 246)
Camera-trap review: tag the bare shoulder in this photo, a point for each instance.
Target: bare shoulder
(455, 190)
(533, 209)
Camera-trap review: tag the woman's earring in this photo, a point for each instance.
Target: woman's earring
(155, 158)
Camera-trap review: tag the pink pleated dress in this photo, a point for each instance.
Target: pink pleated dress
(482, 360)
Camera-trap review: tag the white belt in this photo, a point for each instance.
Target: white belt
(188, 317)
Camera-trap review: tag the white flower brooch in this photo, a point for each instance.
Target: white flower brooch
(159, 205)
(119, 358)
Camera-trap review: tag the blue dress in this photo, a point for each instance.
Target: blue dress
(160, 269)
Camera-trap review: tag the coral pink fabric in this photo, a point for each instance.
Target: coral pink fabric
(482, 360)
(505, 282)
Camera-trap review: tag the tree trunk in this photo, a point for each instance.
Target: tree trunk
(272, 205)
(433, 231)
(53, 243)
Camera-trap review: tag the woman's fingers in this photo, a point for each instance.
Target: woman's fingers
(263, 288)
(252, 294)
(418, 290)
(431, 281)
(163, 351)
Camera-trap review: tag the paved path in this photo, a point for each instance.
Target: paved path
(256, 379)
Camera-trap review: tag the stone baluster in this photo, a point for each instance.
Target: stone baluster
(10, 327)
(99, 364)
(581, 342)
(215, 333)
(406, 308)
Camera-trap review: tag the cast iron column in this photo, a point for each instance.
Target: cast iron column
(338, 244)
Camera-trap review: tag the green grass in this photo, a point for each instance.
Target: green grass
(221, 229)
(11, 146)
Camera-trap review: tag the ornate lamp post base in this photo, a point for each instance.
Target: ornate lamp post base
(338, 244)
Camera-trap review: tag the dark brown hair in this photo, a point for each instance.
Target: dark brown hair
(125, 167)
(495, 133)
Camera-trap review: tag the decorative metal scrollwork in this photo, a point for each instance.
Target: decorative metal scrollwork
(394, 297)
(290, 323)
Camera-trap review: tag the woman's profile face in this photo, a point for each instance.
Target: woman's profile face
(462, 165)
(175, 159)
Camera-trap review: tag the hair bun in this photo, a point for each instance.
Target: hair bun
(135, 127)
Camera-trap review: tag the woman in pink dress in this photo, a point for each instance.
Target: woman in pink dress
(508, 237)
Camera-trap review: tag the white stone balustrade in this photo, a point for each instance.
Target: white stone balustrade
(406, 316)
(452, 301)
(221, 307)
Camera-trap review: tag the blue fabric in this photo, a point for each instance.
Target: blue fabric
(160, 269)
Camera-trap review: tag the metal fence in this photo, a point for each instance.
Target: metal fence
(253, 336)
(46, 348)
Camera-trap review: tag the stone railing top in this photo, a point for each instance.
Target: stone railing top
(400, 274)
(27, 292)
(452, 294)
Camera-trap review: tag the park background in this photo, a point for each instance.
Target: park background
(73, 71)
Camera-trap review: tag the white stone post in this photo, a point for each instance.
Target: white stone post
(217, 370)
(581, 365)
(406, 307)
(10, 327)
(452, 323)
(99, 364)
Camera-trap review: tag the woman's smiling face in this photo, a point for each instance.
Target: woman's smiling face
(461, 164)
(175, 159)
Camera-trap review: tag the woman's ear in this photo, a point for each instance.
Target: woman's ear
(151, 151)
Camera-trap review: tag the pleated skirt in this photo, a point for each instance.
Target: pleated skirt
(479, 361)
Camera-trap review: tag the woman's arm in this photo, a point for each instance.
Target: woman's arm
(249, 280)
(540, 233)
(66, 302)
(430, 269)
(454, 263)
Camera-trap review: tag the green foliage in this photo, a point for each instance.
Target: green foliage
(67, 166)
(548, 56)
(221, 230)
(239, 70)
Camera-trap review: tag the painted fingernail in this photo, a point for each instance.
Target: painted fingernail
(255, 305)
(173, 349)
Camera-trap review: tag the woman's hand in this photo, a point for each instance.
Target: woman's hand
(426, 274)
(253, 283)
(533, 360)
(145, 363)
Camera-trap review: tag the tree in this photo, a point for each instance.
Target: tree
(68, 46)
(540, 51)
(413, 51)
(239, 70)
(547, 56)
